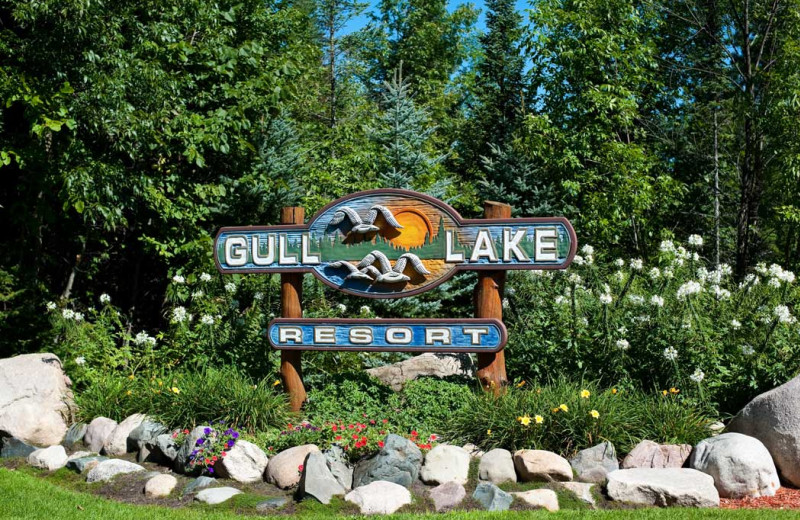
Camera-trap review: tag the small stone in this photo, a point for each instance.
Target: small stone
(541, 465)
(648, 454)
(13, 447)
(82, 464)
(545, 498)
(663, 487)
(51, 459)
(80, 455)
(98, 431)
(491, 497)
(497, 466)
(447, 495)
(75, 434)
(245, 462)
(271, 504)
(581, 490)
(317, 480)
(445, 463)
(592, 464)
(108, 469)
(379, 497)
(160, 485)
(198, 484)
(117, 442)
(218, 495)
(399, 461)
(283, 469)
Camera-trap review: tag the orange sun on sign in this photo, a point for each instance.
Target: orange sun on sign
(416, 227)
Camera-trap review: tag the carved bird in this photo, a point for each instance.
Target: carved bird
(355, 273)
(366, 225)
(389, 274)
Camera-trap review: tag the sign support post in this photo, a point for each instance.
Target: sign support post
(488, 298)
(291, 307)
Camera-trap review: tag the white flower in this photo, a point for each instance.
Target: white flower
(142, 338)
(774, 282)
(720, 293)
(695, 240)
(642, 319)
(698, 376)
(587, 250)
(636, 264)
(687, 324)
(619, 262)
(670, 353)
(589, 259)
(179, 314)
(578, 260)
(636, 299)
(725, 269)
(655, 273)
(668, 273)
(667, 246)
(205, 277)
(605, 299)
(783, 314)
(689, 288)
(657, 300)
(619, 275)
(623, 330)
(787, 276)
(80, 360)
(230, 287)
(506, 304)
(575, 278)
(198, 294)
(68, 314)
(258, 296)
(584, 321)
(761, 268)
(702, 274)
(560, 300)
(736, 324)
(695, 257)
(342, 307)
(78, 316)
(364, 310)
(178, 279)
(51, 306)
(747, 350)
(105, 298)
(207, 319)
(623, 344)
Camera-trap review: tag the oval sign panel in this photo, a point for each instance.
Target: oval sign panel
(393, 243)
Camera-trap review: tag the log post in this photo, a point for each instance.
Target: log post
(291, 307)
(488, 298)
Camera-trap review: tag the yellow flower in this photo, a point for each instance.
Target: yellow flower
(585, 394)
(277, 382)
(595, 414)
(673, 390)
(160, 383)
(521, 384)
(130, 376)
(525, 420)
(664, 392)
(128, 392)
(489, 433)
(539, 419)
(555, 410)
(564, 407)
(614, 391)
(175, 390)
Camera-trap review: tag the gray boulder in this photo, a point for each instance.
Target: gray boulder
(13, 447)
(592, 464)
(317, 480)
(399, 461)
(649, 454)
(98, 432)
(108, 469)
(51, 459)
(445, 463)
(117, 442)
(447, 495)
(741, 465)
(74, 434)
(491, 497)
(218, 495)
(82, 464)
(541, 465)
(379, 497)
(198, 484)
(245, 462)
(774, 418)
(663, 487)
(142, 438)
(340, 469)
(497, 466)
(428, 364)
(35, 399)
(182, 462)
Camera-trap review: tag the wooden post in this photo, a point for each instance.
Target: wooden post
(488, 299)
(291, 307)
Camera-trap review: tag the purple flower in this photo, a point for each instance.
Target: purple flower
(199, 442)
(207, 431)
(230, 444)
(211, 470)
(194, 452)
(235, 435)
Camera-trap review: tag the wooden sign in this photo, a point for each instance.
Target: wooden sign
(387, 335)
(394, 243)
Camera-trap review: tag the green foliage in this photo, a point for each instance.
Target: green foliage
(556, 417)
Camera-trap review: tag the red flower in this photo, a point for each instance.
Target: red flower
(380, 444)
(355, 436)
(214, 458)
(175, 435)
(289, 426)
(349, 426)
(186, 431)
(414, 433)
(333, 428)
(372, 421)
(223, 454)
(270, 449)
(364, 440)
(363, 415)
(433, 437)
(385, 421)
(300, 468)
(338, 437)
(208, 461)
(383, 432)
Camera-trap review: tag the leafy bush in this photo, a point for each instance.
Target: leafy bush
(566, 417)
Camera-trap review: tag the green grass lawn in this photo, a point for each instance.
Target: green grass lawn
(26, 496)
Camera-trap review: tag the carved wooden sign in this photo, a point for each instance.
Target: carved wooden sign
(394, 243)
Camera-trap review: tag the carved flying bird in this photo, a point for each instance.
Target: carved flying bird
(387, 273)
(355, 273)
(366, 225)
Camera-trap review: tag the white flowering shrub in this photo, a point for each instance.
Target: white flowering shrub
(676, 321)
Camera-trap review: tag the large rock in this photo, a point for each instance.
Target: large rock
(649, 454)
(35, 399)
(445, 463)
(182, 462)
(245, 462)
(317, 480)
(398, 461)
(491, 497)
(13, 447)
(447, 495)
(379, 497)
(75, 434)
(117, 442)
(51, 459)
(98, 432)
(741, 465)
(429, 364)
(160, 485)
(82, 464)
(541, 465)
(544, 498)
(340, 469)
(108, 469)
(663, 487)
(218, 495)
(142, 438)
(592, 464)
(497, 466)
(283, 469)
(774, 419)
(162, 450)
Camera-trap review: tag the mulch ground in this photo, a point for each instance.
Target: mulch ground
(785, 498)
